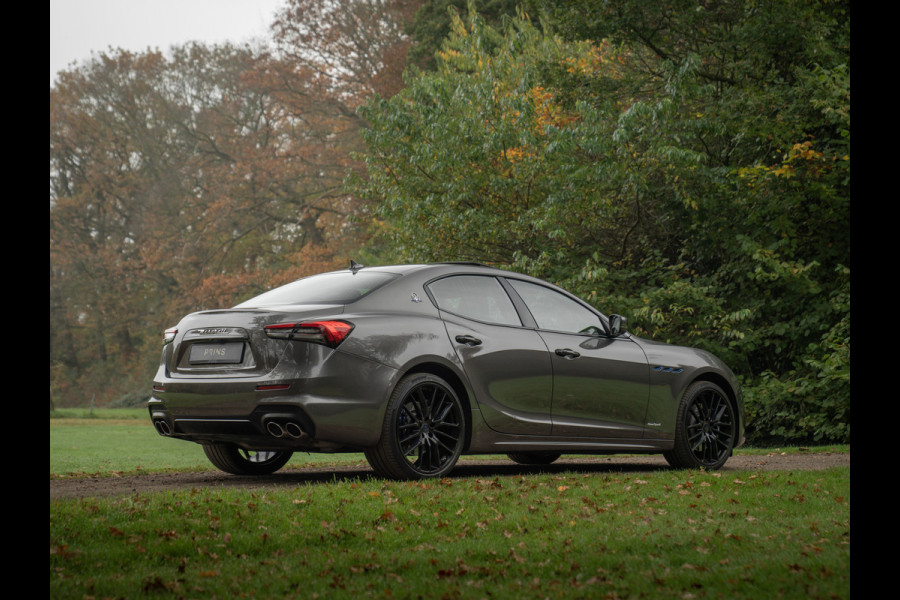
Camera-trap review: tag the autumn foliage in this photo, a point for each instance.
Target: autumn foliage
(685, 164)
(198, 178)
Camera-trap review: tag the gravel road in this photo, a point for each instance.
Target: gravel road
(76, 487)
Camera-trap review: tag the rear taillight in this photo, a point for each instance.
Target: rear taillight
(169, 335)
(330, 333)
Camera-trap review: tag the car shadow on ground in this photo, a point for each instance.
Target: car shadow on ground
(472, 469)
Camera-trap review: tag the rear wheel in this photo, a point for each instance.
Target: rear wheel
(704, 430)
(533, 458)
(238, 461)
(423, 432)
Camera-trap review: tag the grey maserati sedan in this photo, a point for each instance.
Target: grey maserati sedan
(416, 365)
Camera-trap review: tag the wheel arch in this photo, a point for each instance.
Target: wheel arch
(456, 382)
(729, 387)
(719, 380)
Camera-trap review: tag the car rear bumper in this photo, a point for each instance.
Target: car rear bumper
(318, 409)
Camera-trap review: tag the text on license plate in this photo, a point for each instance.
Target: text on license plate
(210, 354)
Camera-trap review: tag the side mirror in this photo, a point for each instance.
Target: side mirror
(618, 325)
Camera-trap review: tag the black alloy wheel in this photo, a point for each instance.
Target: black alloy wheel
(424, 430)
(705, 429)
(238, 461)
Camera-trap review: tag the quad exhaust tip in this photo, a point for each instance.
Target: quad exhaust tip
(275, 428)
(280, 429)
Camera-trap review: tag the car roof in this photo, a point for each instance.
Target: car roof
(436, 269)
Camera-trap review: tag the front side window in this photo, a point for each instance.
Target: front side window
(556, 312)
(475, 297)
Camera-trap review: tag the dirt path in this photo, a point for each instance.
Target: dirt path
(467, 467)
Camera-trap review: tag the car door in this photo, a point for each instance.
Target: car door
(600, 384)
(508, 366)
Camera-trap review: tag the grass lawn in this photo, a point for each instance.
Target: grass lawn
(664, 534)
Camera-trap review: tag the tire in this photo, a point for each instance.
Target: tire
(704, 429)
(237, 461)
(424, 430)
(533, 458)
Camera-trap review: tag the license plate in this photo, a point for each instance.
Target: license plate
(217, 354)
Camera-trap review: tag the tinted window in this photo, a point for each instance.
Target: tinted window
(329, 288)
(475, 297)
(554, 311)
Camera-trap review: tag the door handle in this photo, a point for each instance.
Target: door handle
(468, 340)
(566, 353)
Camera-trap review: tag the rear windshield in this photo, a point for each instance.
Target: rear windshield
(329, 288)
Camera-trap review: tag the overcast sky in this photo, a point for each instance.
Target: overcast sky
(79, 27)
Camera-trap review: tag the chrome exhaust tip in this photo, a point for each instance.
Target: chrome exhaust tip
(274, 429)
(294, 430)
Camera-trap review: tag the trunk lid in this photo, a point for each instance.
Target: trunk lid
(233, 342)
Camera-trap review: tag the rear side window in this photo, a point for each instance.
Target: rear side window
(328, 288)
(475, 297)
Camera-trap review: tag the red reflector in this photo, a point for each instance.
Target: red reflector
(159, 388)
(266, 388)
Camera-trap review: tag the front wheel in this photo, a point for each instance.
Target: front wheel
(704, 430)
(237, 461)
(423, 432)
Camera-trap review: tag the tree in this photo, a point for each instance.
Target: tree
(689, 168)
(353, 47)
(432, 23)
(199, 178)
